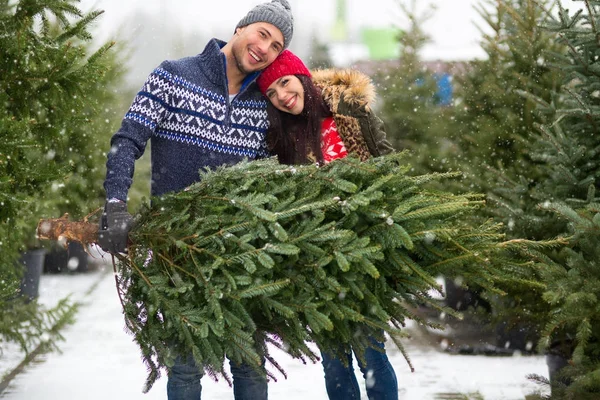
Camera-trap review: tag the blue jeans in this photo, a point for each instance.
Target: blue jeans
(380, 378)
(184, 381)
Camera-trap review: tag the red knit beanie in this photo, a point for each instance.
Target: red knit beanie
(285, 64)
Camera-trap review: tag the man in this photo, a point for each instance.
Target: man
(201, 111)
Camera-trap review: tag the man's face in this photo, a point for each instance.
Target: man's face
(255, 46)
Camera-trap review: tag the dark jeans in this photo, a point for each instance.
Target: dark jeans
(184, 381)
(380, 378)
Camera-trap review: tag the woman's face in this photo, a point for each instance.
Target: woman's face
(287, 94)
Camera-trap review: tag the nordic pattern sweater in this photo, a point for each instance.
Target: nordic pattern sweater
(184, 110)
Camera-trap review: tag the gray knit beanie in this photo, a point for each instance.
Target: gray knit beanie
(278, 13)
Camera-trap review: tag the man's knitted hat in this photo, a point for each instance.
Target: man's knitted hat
(278, 13)
(287, 63)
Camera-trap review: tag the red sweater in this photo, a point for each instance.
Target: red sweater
(332, 146)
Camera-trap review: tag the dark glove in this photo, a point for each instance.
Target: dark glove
(114, 228)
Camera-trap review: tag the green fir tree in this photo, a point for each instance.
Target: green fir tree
(484, 134)
(568, 201)
(319, 53)
(411, 108)
(55, 103)
(408, 92)
(496, 114)
(262, 253)
(496, 121)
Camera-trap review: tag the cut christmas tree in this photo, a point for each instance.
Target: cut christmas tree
(262, 253)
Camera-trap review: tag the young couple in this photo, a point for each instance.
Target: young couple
(245, 99)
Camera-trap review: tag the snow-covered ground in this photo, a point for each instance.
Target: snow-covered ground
(99, 361)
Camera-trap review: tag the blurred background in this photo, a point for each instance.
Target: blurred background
(351, 30)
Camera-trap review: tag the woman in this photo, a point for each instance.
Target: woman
(318, 118)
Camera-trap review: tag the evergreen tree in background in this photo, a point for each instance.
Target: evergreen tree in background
(319, 54)
(408, 88)
(567, 195)
(496, 126)
(495, 120)
(56, 104)
(483, 134)
(532, 147)
(413, 116)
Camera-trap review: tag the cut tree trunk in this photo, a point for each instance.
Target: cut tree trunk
(61, 228)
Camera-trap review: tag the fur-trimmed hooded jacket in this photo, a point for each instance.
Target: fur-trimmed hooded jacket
(350, 95)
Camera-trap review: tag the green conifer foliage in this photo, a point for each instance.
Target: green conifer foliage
(54, 97)
(567, 195)
(497, 125)
(496, 119)
(262, 253)
(319, 55)
(408, 93)
(487, 133)
(50, 113)
(499, 105)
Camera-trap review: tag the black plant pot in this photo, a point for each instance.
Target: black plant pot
(72, 259)
(555, 363)
(33, 262)
(520, 336)
(460, 299)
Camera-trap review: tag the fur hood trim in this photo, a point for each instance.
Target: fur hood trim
(351, 85)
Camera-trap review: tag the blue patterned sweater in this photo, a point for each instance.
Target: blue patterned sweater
(184, 110)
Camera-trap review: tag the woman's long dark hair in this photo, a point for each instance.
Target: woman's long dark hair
(294, 137)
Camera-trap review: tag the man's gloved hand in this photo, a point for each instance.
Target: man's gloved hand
(114, 228)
